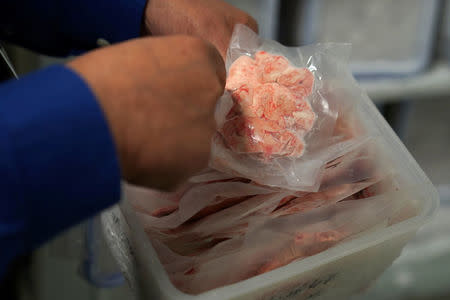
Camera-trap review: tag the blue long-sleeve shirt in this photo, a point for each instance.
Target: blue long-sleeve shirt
(58, 163)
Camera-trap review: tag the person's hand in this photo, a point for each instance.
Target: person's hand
(212, 20)
(158, 95)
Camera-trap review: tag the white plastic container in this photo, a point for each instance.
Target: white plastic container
(389, 38)
(266, 13)
(336, 273)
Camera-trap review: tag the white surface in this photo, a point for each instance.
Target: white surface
(433, 83)
(388, 37)
(445, 33)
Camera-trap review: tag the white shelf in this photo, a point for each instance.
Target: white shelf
(433, 83)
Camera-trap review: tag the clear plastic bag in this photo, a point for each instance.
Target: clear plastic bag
(226, 233)
(199, 200)
(277, 133)
(278, 241)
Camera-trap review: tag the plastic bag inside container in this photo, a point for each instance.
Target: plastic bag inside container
(211, 192)
(201, 200)
(291, 237)
(276, 121)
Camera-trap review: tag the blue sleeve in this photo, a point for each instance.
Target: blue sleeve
(59, 27)
(58, 163)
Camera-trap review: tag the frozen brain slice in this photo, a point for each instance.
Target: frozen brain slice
(255, 135)
(248, 135)
(270, 67)
(299, 81)
(292, 77)
(243, 97)
(303, 117)
(270, 114)
(301, 92)
(243, 71)
(277, 101)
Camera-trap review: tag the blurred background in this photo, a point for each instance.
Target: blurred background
(400, 55)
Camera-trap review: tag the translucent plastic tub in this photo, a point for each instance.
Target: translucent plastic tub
(335, 273)
(421, 272)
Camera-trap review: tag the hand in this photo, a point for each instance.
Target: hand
(158, 96)
(212, 20)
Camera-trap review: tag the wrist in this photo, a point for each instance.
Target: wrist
(99, 83)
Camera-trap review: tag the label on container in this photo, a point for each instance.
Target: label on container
(309, 289)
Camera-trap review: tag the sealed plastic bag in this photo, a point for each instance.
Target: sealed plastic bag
(277, 242)
(276, 120)
(202, 199)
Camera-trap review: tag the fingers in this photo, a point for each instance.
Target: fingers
(219, 65)
(252, 24)
(159, 96)
(212, 74)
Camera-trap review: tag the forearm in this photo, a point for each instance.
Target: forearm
(58, 163)
(57, 27)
